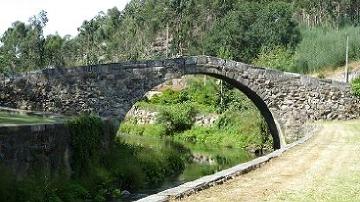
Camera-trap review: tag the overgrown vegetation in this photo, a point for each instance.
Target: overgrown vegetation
(98, 174)
(355, 85)
(239, 124)
(86, 136)
(232, 130)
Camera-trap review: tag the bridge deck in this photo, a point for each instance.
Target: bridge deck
(326, 168)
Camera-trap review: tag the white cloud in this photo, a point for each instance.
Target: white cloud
(65, 16)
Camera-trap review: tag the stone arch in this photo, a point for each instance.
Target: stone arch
(263, 108)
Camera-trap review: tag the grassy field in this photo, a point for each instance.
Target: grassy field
(326, 168)
(7, 118)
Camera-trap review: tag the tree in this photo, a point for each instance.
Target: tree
(251, 27)
(232, 33)
(225, 94)
(274, 26)
(53, 49)
(13, 50)
(35, 40)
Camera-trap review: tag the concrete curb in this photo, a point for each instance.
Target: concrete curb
(205, 182)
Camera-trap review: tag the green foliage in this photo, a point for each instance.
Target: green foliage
(177, 118)
(252, 26)
(170, 96)
(86, 135)
(224, 53)
(23, 45)
(98, 175)
(355, 86)
(156, 130)
(244, 29)
(201, 91)
(275, 26)
(278, 58)
(239, 125)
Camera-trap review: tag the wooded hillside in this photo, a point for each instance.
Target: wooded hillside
(250, 31)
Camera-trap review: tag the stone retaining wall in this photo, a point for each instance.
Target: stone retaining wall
(25, 148)
(143, 116)
(39, 147)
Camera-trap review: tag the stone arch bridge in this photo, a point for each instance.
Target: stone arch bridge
(286, 100)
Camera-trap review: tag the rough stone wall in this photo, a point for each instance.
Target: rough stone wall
(38, 148)
(286, 100)
(43, 148)
(143, 116)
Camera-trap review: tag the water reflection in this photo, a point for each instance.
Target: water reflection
(200, 160)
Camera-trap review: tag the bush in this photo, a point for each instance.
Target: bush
(177, 118)
(355, 86)
(132, 129)
(169, 97)
(155, 130)
(86, 135)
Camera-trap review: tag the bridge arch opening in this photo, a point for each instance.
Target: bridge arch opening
(260, 105)
(250, 94)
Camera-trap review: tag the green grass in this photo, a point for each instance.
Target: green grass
(340, 186)
(7, 118)
(325, 48)
(345, 187)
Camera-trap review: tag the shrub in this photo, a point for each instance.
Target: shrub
(86, 133)
(170, 96)
(132, 129)
(278, 58)
(177, 118)
(355, 86)
(155, 130)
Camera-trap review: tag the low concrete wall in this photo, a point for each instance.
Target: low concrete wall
(205, 182)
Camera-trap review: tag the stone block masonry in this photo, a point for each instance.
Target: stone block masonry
(286, 100)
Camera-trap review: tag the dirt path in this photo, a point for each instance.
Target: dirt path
(326, 168)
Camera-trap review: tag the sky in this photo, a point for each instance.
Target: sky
(65, 16)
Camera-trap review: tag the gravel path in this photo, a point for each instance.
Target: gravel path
(326, 168)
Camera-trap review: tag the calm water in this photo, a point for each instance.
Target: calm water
(203, 160)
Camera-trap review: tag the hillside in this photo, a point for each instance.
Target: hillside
(297, 36)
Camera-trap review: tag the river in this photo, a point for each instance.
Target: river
(201, 160)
